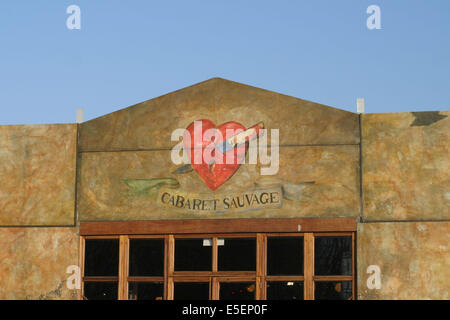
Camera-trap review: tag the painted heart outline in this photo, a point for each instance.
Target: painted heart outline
(200, 146)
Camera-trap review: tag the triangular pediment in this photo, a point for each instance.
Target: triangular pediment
(149, 124)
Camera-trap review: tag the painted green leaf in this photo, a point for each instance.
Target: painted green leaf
(148, 187)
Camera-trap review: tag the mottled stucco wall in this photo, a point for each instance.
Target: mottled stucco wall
(414, 259)
(405, 162)
(37, 170)
(318, 144)
(149, 125)
(406, 186)
(33, 262)
(334, 171)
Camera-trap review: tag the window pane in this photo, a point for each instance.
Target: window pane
(192, 255)
(102, 257)
(237, 291)
(333, 255)
(285, 256)
(339, 290)
(286, 290)
(146, 257)
(146, 290)
(191, 291)
(237, 255)
(100, 290)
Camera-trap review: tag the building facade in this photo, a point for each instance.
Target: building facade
(357, 207)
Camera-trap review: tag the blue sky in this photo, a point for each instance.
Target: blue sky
(130, 51)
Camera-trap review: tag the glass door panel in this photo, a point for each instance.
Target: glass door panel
(191, 291)
(237, 290)
(237, 254)
(193, 255)
(145, 290)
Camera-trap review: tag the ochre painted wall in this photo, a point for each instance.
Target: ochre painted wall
(37, 170)
(37, 193)
(414, 259)
(406, 166)
(334, 170)
(149, 125)
(405, 177)
(317, 144)
(33, 262)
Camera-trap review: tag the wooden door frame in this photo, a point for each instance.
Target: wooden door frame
(216, 226)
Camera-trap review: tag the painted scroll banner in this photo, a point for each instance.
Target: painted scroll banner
(266, 198)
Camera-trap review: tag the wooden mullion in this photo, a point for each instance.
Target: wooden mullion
(201, 274)
(353, 266)
(215, 287)
(333, 278)
(260, 265)
(170, 266)
(259, 288)
(309, 266)
(259, 255)
(145, 279)
(192, 274)
(191, 279)
(170, 288)
(171, 255)
(215, 254)
(100, 279)
(81, 266)
(123, 267)
(264, 279)
(237, 279)
(234, 274)
(210, 288)
(166, 265)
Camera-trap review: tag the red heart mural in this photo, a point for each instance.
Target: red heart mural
(214, 174)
